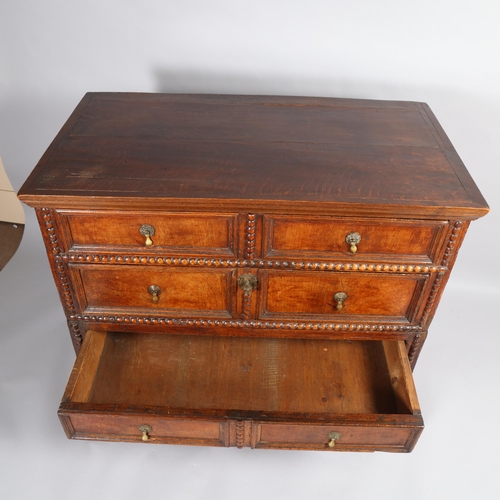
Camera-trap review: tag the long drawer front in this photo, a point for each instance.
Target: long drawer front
(244, 392)
(369, 434)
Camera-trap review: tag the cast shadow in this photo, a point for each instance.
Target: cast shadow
(191, 81)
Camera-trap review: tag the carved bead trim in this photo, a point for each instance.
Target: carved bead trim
(250, 241)
(414, 348)
(251, 263)
(76, 335)
(247, 305)
(268, 325)
(448, 255)
(450, 248)
(240, 433)
(432, 298)
(248, 283)
(64, 288)
(60, 268)
(51, 231)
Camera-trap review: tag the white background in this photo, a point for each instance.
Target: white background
(443, 52)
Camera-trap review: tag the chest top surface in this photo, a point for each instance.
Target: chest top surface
(255, 152)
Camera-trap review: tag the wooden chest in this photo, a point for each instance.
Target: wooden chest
(249, 271)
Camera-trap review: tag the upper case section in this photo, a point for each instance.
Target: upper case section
(187, 152)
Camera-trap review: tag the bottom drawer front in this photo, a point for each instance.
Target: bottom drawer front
(129, 428)
(347, 438)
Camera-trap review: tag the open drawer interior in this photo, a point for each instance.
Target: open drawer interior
(258, 392)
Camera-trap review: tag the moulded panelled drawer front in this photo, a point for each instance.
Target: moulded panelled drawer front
(177, 233)
(113, 427)
(388, 437)
(326, 237)
(204, 292)
(311, 294)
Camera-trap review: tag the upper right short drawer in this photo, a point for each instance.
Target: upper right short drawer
(421, 241)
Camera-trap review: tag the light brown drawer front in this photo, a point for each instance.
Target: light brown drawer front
(310, 295)
(325, 237)
(126, 428)
(180, 292)
(175, 233)
(395, 437)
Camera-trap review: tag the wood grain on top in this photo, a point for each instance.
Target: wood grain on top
(249, 151)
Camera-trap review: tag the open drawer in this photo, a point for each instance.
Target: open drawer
(256, 392)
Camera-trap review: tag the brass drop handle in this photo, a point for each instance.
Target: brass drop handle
(145, 429)
(332, 437)
(353, 239)
(154, 290)
(340, 298)
(147, 231)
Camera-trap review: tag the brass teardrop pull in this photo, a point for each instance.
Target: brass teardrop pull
(145, 429)
(332, 437)
(154, 290)
(352, 239)
(147, 231)
(340, 298)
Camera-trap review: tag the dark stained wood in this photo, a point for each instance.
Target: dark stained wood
(251, 199)
(242, 152)
(233, 118)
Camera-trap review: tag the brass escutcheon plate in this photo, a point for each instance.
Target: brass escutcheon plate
(147, 230)
(247, 282)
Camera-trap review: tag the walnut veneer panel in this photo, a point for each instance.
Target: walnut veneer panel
(380, 239)
(174, 232)
(114, 289)
(289, 294)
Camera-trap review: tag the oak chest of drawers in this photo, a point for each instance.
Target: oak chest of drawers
(249, 271)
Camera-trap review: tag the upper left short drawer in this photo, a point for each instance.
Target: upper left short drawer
(172, 233)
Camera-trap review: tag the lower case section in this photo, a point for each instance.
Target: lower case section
(258, 393)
